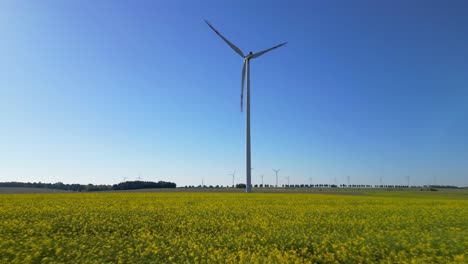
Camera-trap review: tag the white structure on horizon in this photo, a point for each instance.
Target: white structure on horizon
(276, 172)
(233, 174)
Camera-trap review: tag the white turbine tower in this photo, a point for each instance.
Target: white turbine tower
(276, 172)
(233, 177)
(246, 69)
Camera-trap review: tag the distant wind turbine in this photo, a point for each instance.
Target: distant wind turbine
(276, 171)
(246, 70)
(233, 176)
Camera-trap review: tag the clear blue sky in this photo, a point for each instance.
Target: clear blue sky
(95, 91)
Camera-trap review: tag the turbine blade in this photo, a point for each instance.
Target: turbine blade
(258, 54)
(242, 86)
(236, 49)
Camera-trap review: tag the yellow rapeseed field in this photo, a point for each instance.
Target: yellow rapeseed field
(231, 228)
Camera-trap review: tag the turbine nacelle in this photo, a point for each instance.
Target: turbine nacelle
(249, 56)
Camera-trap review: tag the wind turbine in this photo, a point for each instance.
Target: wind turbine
(276, 171)
(233, 177)
(262, 179)
(246, 71)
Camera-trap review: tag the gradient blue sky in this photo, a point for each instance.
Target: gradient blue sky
(95, 91)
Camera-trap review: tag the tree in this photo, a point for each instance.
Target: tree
(241, 185)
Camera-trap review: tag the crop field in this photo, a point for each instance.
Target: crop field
(165, 227)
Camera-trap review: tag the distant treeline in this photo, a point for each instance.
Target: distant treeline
(131, 185)
(128, 185)
(443, 186)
